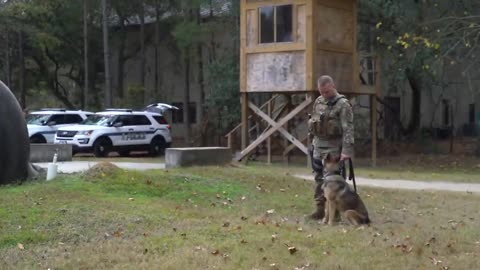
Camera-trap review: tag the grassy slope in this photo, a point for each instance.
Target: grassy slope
(216, 218)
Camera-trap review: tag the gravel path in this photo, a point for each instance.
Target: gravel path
(409, 184)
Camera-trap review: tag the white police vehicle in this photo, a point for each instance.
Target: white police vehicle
(120, 130)
(43, 124)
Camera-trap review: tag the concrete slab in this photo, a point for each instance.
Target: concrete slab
(194, 156)
(81, 166)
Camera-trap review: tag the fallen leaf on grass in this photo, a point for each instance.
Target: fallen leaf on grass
(292, 250)
(435, 261)
(303, 267)
(117, 233)
(274, 237)
(431, 241)
(199, 248)
(403, 247)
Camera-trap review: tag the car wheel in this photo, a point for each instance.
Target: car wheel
(102, 147)
(38, 139)
(157, 146)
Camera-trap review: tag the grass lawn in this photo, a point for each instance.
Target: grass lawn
(137, 158)
(216, 218)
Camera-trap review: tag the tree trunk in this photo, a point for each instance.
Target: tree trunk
(85, 52)
(186, 99)
(201, 83)
(157, 44)
(142, 53)
(106, 54)
(8, 69)
(121, 56)
(415, 116)
(23, 92)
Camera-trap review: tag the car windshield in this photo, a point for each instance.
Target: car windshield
(37, 119)
(99, 120)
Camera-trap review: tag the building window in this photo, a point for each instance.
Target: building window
(471, 113)
(276, 24)
(177, 115)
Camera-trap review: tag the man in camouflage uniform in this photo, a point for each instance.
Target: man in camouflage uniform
(331, 126)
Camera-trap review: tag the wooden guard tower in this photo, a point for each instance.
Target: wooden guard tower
(285, 46)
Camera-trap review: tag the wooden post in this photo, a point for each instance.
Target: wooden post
(373, 111)
(244, 104)
(373, 106)
(229, 140)
(269, 140)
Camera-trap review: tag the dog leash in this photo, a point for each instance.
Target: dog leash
(351, 172)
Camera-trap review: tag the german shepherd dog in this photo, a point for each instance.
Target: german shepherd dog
(340, 197)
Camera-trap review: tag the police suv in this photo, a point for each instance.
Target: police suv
(120, 130)
(43, 124)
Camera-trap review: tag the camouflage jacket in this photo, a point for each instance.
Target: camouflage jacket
(331, 124)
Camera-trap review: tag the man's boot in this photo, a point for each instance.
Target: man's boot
(319, 199)
(319, 213)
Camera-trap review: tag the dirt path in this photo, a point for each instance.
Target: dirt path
(409, 184)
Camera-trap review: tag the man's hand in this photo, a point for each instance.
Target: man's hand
(344, 157)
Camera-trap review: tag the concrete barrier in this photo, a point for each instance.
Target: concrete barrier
(192, 156)
(43, 152)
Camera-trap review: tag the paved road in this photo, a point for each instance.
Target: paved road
(409, 184)
(80, 166)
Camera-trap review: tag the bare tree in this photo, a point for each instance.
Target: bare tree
(106, 54)
(85, 52)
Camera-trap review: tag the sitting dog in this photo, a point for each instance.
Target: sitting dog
(340, 197)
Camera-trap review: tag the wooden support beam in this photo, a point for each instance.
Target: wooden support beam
(244, 104)
(281, 129)
(269, 140)
(373, 108)
(292, 146)
(274, 128)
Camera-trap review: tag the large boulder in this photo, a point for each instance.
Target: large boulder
(14, 142)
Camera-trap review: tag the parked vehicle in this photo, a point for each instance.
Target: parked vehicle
(43, 124)
(121, 130)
